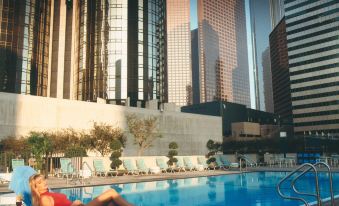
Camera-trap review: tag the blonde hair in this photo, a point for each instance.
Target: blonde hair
(34, 191)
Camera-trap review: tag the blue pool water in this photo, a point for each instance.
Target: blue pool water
(255, 188)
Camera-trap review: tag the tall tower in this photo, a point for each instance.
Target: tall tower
(179, 52)
(313, 47)
(122, 51)
(24, 46)
(280, 75)
(260, 30)
(224, 73)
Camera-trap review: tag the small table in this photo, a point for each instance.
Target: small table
(154, 170)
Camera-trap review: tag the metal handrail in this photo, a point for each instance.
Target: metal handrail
(318, 192)
(247, 160)
(289, 175)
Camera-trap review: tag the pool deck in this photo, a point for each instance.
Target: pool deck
(55, 182)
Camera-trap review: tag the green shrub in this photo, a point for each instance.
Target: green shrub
(116, 148)
(173, 146)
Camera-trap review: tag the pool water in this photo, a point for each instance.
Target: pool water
(254, 188)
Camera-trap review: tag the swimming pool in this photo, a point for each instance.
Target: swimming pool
(254, 188)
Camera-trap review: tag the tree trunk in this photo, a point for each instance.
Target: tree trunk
(140, 151)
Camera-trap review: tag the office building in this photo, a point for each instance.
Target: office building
(313, 47)
(280, 76)
(179, 52)
(195, 66)
(24, 46)
(277, 12)
(223, 65)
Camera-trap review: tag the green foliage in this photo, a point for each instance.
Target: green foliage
(39, 145)
(116, 148)
(173, 146)
(75, 152)
(145, 131)
(213, 148)
(101, 136)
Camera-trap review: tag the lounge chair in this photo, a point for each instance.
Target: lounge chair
(180, 165)
(162, 164)
(130, 167)
(219, 163)
(67, 168)
(142, 166)
(188, 164)
(227, 163)
(100, 170)
(203, 161)
(17, 163)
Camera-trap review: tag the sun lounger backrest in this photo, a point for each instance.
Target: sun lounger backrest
(141, 164)
(17, 163)
(64, 162)
(128, 165)
(161, 163)
(98, 165)
(218, 161)
(188, 162)
(202, 160)
(180, 162)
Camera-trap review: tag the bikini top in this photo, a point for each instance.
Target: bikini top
(59, 198)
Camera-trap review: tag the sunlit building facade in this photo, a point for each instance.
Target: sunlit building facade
(24, 46)
(224, 73)
(179, 52)
(313, 55)
(122, 50)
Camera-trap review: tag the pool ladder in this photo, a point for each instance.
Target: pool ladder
(308, 167)
(78, 176)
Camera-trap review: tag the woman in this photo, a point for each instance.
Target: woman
(42, 197)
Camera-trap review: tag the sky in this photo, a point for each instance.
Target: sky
(194, 25)
(194, 14)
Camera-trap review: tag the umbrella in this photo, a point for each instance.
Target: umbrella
(20, 183)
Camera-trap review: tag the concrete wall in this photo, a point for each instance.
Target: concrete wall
(20, 114)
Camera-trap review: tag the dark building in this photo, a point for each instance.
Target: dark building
(231, 113)
(280, 75)
(122, 51)
(24, 46)
(195, 66)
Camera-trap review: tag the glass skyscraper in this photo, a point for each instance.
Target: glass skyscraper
(122, 50)
(24, 46)
(312, 29)
(260, 21)
(179, 52)
(223, 53)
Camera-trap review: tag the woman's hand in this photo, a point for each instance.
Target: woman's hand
(77, 203)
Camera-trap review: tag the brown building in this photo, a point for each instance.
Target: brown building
(280, 74)
(224, 73)
(179, 52)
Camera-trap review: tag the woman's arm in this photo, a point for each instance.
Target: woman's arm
(46, 201)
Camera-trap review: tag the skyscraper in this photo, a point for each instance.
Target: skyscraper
(260, 30)
(313, 46)
(122, 51)
(179, 52)
(277, 12)
(24, 46)
(280, 74)
(195, 66)
(223, 63)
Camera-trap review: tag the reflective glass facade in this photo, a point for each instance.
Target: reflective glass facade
(122, 50)
(260, 30)
(313, 47)
(179, 52)
(24, 46)
(224, 73)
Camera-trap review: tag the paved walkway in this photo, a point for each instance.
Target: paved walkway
(55, 182)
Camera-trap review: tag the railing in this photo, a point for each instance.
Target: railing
(77, 176)
(317, 194)
(247, 160)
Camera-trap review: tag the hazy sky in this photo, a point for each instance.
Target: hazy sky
(194, 15)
